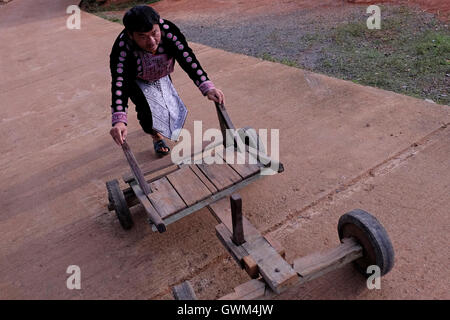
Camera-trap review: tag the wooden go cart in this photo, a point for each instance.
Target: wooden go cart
(176, 190)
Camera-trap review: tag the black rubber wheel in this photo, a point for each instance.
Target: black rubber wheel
(117, 199)
(371, 235)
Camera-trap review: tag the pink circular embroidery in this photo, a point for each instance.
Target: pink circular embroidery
(139, 68)
(119, 70)
(177, 43)
(188, 59)
(203, 78)
(119, 93)
(169, 35)
(120, 108)
(123, 54)
(161, 21)
(119, 84)
(121, 59)
(138, 61)
(180, 47)
(120, 65)
(185, 54)
(194, 65)
(121, 43)
(166, 26)
(174, 38)
(120, 78)
(118, 101)
(199, 72)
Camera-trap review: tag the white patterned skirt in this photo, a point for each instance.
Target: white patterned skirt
(168, 111)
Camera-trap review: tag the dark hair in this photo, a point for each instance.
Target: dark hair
(140, 19)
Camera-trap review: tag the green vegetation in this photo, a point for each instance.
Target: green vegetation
(407, 55)
(112, 12)
(288, 62)
(410, 54)
(111, 17)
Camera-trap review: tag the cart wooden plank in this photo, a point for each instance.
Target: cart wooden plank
(184, 291)
(203, 178)
(253, 289)
(165, 198)
(275, 244)
(262, 256)
(165, 162)
(320, 263)
(240, 255)
(221, 175)
(240, 162)
(188, 185)
(211, 199)
(237, 252)
(251, 267)
(277, 273)
(246, 170)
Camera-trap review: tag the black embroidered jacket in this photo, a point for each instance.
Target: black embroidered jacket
(128, 62)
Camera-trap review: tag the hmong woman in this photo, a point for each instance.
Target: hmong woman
(141, 60)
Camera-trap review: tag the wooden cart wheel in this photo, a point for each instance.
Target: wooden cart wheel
(371, 235)
(251, 138)
(117, 199)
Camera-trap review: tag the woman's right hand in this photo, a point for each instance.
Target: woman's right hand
(119, 132)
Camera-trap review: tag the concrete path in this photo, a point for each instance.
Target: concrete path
(343, 145)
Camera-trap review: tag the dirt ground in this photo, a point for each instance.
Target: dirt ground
(184, 8)
(343, 145)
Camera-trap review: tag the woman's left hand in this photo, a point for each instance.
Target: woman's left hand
(216, 95)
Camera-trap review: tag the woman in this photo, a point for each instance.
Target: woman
(141, 60)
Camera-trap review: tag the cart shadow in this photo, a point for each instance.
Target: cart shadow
(60, 180)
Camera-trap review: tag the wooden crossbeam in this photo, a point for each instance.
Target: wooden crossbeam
(277, 273)
(317, 264)
(184, 291)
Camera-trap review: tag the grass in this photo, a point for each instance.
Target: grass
(285, 61)
(112, 12)
(407, 55)
(410, 54)
(110, 17)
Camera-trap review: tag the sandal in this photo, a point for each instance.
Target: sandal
(159, 145)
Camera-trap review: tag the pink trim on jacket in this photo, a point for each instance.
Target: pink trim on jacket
(206, 86)
(119, 117)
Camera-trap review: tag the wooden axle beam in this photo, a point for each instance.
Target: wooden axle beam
(307, 268)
